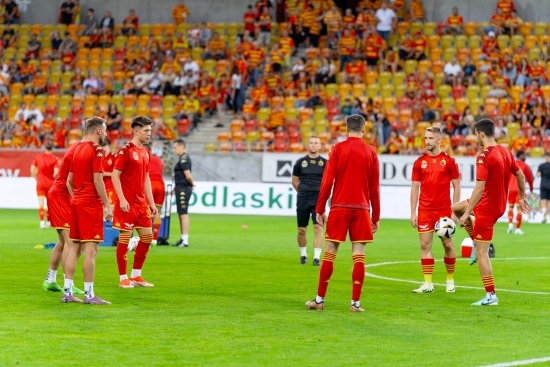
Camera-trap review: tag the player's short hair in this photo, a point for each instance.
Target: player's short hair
(435, 130)
(314, 137)
(179, 142)
(49, 146)
(486, 126)
(93, 123)
(141, 121)
(355, 123)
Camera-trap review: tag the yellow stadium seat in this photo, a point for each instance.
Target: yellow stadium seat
(424, 66)
(402, 28)
(485, 89)
(389, 103)
(371, 77)
(526, 28)
(47, 29)
(546, 91)
(321, 126)
(461, 41)
(393, 40)
(399, 91)
(447, 103)
(24, 29)
(372, 91)
(473, 91)
(211, 147)
(157, 30)
(449, 53)
(263, 114)
(384, 78)
(40, 101)
(513, 128)
(470, 28)
(416, 27)
(398, 78)
(503, 41)
(434, 41)
(447, 41)
(461, 104)
(306, 127)
(474, 41)
(320, 114)
(196, 53)
(61, 28)
(534, 54)
(387, 91)
(410, 66)
(540, 29)
(435, 54)
(144, 29)
(437, 66)
(531, 42)
(515, 91)
(344, 90)
(331, 89)
(429, 28)
(444, 91)
(475, 104)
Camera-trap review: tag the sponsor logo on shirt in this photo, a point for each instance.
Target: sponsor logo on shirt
(304, 164)
(135, 156)
(129, 225)
(423, 226)
(424, 164)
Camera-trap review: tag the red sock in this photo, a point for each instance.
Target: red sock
(510, 215)
(357, 276)
(450, 263)
(156, 229)
(327, 266)
(519, 218)
(122, 251)
(427, 266)
(488, 283)
(142, 249)
(41, 213)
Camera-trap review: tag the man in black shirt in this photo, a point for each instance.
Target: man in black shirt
(544, 173)
(12, 12)
(306, 180)
(66, 11)
(183, 187)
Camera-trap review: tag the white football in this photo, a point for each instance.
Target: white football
(133, 243)
(445, 228)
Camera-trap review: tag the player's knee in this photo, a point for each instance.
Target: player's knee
(146, 238)
(302, 231)
(318, 228)
(425, 245)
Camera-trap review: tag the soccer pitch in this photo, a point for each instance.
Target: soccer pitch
(236, 297)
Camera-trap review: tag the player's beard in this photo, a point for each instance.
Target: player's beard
(101, 140)
(430, 148)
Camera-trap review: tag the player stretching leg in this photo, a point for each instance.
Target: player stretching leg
(493, 168)
(135, 207)
(89, 205)
(306, 180)
(44, 169)
(353, 176)
(432, 176)
(59, 206)
(513, 195)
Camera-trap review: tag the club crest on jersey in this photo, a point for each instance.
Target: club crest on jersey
(321, 164)
(135, 156)
(110, 161)
(443, 162)
(424, 164)
(304, 164)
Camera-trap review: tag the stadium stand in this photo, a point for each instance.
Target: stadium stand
(276, 84)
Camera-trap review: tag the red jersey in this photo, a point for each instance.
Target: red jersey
(494, 166)
(156, 166)
(513, 185)
(46, 164)
(64, 168)
(108, 167)
(435, 175)
(350, 160)
(133, 162)
(87, 160)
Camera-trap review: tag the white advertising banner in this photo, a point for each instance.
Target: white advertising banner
(395, 170)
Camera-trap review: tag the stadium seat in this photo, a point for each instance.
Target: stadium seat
(473, 91)
(485, 89)
(387, 91)
(434, 41)
(534, 54)
(447, 41)
(263, 114)
(402, 28)
(429, 28)
(470, 28)
(475, 104)
(536, 152)
(540, 29)
(526, 28)
(546, 91)
(344, 90)
(296, 148)
(474, 41)
(447, 103)
(513, 128)
(449, 53)
(503, 41)
(463, 54)
(517, 41)
(410, 67)
(320, 114)
(372, 91)
(398, 78)
(371, 77)
(238, 136)
(321, 126)
(531, 42)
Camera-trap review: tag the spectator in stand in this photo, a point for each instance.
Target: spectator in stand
(455, 23)
(26, 71)
(91, 83)
(510, 72)
(394, 144)
(416, 11)
(55, 45)
(497, 23)
(33, 47)
(130, 24)
(9, 37)
(399, 7)
(536, 72)
(418, 47)
(12, 12)
(264, 24)
(326, 72)
(308, 21)
(347, 48)
(191, 110)
(33, 113)
(249, 20)
(507, 6)
(237, 90)
(373, 48)
(469, 72)
(453, 72)
(205, 35)
(386, 19)
(512, 24)
(90, 23)
(355, 71)
(38, 84)
(499, 84)
(113, 118)
(66, 12)
(390, 62)
(287, 46)
(333, 22)
(4, 85)
(523, 73)
(348, 18)
(68, 41)
(180, 13)
(534, 95)
(216, 48)
(107, 21)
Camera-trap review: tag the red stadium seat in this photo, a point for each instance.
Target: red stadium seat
(183, 127)
(250, 125)
(534, 141)
(240, 146)
(457, 140)
(295, 137)
(546, 143)
(280, 148)
(281, 137)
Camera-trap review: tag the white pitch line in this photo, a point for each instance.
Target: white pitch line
(520, 363)
(456, 286)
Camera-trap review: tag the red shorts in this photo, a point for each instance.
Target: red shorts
(139, 216)
(513, 197)
(428, 218)
(111, 195)
(158, 192)
(356, 221)
(86, 221)
(42, 189)
(484, 226)
(59, 208)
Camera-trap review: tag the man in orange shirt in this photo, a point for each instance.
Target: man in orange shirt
(287, 46)
(348, 18)
(44, 169)
(497, 23)
(418, 48)
(373, 48)
(455, 22)
(264, 23)
(347, 48)
(333, 21)
(180, 13)
(416, 11)
(355, 69)
(249, 20)
(216, 48)
(506, 6)
(537, 72)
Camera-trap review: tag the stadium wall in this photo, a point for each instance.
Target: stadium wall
(216, 11)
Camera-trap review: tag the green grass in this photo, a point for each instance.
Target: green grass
(236, 297)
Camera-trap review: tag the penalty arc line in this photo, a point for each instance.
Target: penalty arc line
(368, 274)
(520, 363)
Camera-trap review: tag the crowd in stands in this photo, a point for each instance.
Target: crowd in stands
(280, 82)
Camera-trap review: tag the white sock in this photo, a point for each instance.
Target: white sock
(317, 253)
(319, 299)
(491, 295)
(510, 225)
(52, 274)
(356, 303)
(42, 223)
(136, 273)
(123, 277)
(185, 238)
(89, 289)
(68, 287)
(303, 251)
